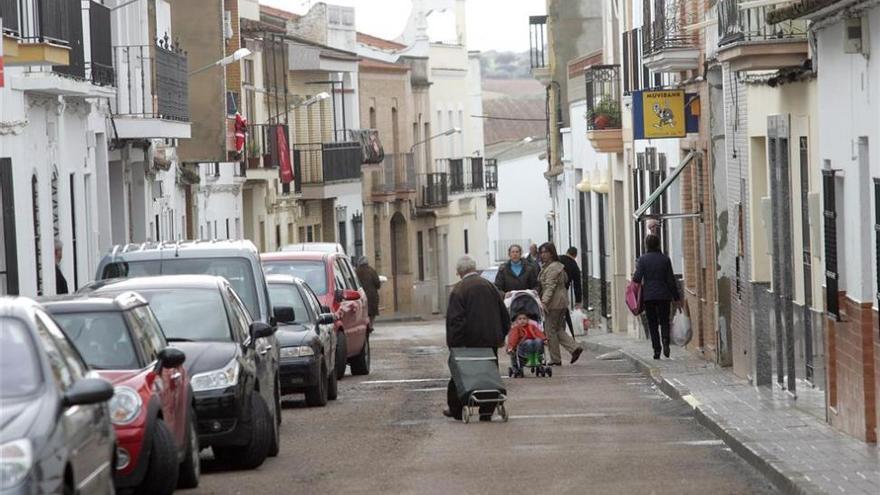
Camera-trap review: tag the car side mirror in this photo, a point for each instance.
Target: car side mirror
(260, 330)
(284, 314)
(351, 295)
(170, 357)
(326, 318)
(88, 391)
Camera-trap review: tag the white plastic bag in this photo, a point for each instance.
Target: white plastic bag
(681, 329)
(579, 322)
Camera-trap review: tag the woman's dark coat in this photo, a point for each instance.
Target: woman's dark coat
(654, 272)
(507, 281)
(370, 281)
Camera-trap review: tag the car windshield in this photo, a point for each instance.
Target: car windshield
(236, 270)
(19, 365)
(289, 295)
(312, 272)
(190, 314)
(101, 337)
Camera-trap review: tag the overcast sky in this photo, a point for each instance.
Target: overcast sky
(492, 24)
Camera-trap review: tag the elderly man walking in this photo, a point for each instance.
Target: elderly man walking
(476, 317)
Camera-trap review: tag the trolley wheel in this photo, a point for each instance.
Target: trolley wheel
(510, 372)
(549, 372)
(521, 373)
(502, 411)
(540, 372)
(532, 370)
(466, 414)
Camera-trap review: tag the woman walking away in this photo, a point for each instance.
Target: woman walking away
(659, 290)
(369, 279)
(516, 273)
(554, 296)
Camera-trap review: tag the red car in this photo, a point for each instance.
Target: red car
(120, 338)
(332, 278)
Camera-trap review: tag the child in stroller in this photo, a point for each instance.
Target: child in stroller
(525, 344)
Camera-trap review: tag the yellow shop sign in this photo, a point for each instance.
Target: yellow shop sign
(660, 113)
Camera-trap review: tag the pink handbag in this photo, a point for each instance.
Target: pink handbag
(634, 297)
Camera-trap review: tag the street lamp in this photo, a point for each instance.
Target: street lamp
(447, 132)
(223, 62)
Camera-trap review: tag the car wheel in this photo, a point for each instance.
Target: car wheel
(316, 396)
(162, 470)
(253, 454)
(332, 386)
(191, 467)
(341, 355)
(360, 364)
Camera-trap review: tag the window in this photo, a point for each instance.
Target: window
(102, 338)
(311, 272)
(154, 340)
(38, 252)
(20, 374)
(420, 249)
(466, 246)
(289, 295)
(830, 214)
(190, 314)
(240, 314)
(347, 276)
(69, 354)
(62, 373)
(310, 234)
(395, 132)
(343, 234)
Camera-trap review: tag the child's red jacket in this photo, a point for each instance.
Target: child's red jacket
(518, 333)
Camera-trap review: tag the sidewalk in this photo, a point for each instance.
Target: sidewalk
(798, 452)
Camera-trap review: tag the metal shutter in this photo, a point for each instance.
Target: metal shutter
(830, 214)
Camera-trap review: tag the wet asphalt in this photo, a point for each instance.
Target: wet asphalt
(594, 427)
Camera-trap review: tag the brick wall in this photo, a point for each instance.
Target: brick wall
(852, 369)
(233, 71)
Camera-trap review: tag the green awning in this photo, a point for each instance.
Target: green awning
(663, 186)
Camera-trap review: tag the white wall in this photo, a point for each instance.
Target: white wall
(521, 188)
(849, 109)
(219, 200)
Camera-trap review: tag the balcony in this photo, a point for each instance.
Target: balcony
(37, 32)
(433, 191)
(465, 174)
(538, 48)
(262, 146)
(668, 47)
(748, 42)
(603, 108)
(396, 179)
(152, 100)
(78, 75)
(324, 164)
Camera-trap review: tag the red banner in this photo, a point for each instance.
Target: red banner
(283, 154)
(1, 67)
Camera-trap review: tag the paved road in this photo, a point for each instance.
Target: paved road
(595, 427)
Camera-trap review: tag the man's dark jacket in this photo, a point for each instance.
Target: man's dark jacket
(476, 316)
(507, 281)
(574, 276)
(60, 282)
(654, 272)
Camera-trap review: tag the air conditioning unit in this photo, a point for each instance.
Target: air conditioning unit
(856, 35)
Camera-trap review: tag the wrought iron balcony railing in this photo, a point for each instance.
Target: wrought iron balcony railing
(603, 97)
(152, 82)
(320, 163)
(538, 41)
(398, 175)
(433, 190)
(262, 147)
(736, 24)
(667, 28)
(465, 174)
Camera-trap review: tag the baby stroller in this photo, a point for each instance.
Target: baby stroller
(527, 301)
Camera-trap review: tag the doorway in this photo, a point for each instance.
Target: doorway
(399, 256)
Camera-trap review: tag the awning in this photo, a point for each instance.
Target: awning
(640, 212)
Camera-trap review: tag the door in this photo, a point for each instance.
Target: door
(85, 428)
(355, 317)
(325, 332)
(8, 249)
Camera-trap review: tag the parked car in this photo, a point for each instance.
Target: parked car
(307, 340)
(316, 247)
(332, 278)
(152, 411)
(237, 261)
(55, 429)
(231, 379)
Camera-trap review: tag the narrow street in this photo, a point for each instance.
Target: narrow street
(595, 427)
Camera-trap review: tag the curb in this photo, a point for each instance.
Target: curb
(771, 468)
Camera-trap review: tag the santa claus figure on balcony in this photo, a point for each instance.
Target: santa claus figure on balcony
(240, 133)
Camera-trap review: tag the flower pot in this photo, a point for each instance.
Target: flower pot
(253, 162)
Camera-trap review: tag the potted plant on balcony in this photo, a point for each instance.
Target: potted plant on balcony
(253, 154)
(606, 115)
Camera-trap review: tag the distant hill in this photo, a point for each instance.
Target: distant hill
(505, 65)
